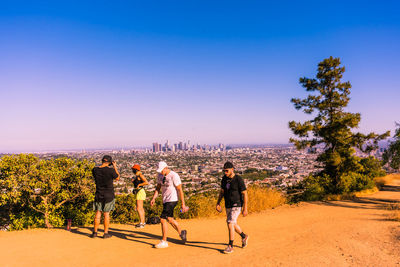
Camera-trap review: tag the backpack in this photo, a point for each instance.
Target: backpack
(153, 220)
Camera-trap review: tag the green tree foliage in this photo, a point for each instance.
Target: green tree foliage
(331, 128)
(254, 174)
(39, 189)
(125, 209)
(392, 154)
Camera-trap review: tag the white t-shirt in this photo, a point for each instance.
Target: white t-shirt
(169, 193)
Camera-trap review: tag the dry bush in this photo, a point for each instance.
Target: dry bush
(366, 192)
(201, 206)
(352, 195)
(381, 181)
(395, 207)
(395, 216)
(260, 198)
(345, 196)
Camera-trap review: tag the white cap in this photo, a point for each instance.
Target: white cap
(161, 166)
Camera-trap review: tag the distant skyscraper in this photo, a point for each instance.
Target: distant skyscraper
(155, 147)
(167, 145)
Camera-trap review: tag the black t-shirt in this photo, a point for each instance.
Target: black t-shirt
(233, 189)
(104, 183)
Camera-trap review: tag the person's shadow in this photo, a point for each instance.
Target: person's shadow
(114, 232)
(144, 237)
(197, 244)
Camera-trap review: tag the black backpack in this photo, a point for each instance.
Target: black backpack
(153, 220)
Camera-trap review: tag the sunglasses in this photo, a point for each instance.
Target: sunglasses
(226, 171)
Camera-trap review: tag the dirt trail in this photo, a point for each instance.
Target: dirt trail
(335, 233)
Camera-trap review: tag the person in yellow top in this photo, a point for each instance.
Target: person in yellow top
(140, 194)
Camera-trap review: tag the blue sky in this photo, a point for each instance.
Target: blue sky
(76, 75)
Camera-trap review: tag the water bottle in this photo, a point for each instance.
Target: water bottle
(186, 209)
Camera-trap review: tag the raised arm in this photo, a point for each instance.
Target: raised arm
(116, 170)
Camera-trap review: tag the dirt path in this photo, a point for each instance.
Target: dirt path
(336, 233)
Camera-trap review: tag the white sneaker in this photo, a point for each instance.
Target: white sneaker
(162, 244)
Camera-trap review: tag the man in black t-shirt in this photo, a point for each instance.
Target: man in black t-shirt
(104, 201)
(233, 190)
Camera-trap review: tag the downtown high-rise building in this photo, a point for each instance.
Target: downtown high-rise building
(155, 147)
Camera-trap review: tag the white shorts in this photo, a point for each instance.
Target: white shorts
(232, 214)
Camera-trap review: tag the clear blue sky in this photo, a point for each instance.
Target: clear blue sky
(119, 74)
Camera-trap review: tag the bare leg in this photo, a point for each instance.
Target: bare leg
(174, 224)
(164, 229)
(106, 221)
(238, 229)
(139, 208)
(97, 218)
(231, 229)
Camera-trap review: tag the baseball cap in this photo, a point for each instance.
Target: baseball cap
(106, 158)
(228, 165)
(161, 166)
(136, 167)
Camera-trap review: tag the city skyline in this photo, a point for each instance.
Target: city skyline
(79, 76)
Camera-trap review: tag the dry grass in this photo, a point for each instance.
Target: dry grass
(353, 195)
(260, 199)
(395, 216)
(381, 181)
(395, 208)
(346, 196)
(366, 192)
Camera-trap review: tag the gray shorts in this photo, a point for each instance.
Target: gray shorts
(232, 214)
(103, 206)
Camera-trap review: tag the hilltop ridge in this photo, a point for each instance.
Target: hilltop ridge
(335, 233)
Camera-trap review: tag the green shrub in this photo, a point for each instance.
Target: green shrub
(26, 219)
(125, 209)
(80, 211)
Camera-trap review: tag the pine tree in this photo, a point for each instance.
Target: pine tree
(392, 154)
(332, 126)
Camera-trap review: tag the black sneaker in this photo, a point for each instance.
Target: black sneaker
(244, 241)
(93, 235)
(106, 235)
(183, 236)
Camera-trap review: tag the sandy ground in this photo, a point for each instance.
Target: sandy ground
(335, 233)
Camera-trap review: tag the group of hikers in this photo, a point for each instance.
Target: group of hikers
(233, 190)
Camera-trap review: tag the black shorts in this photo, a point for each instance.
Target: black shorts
(168, 209)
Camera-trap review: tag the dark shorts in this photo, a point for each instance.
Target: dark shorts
(103, 206)
(168, 210)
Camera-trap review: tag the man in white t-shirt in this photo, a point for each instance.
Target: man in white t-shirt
(170, 185)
